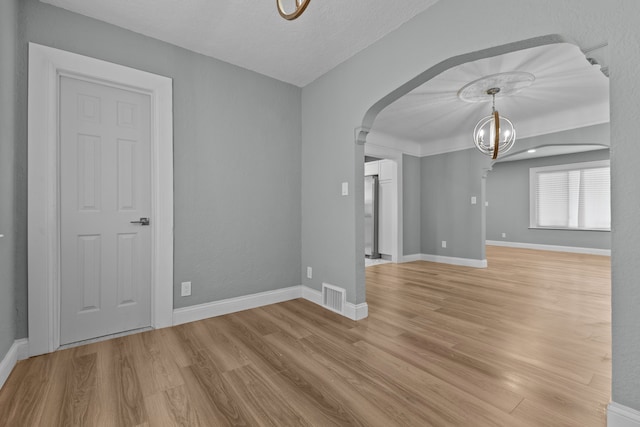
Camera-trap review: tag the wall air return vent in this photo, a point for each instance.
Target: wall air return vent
(333, 298)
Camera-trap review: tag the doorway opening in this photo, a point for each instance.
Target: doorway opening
(422, 123)
(421, 298)
(383, 206)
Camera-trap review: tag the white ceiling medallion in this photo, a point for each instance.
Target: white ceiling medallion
(495, 135)
(509, 83)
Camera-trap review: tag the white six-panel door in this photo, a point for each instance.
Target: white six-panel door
(105, 261)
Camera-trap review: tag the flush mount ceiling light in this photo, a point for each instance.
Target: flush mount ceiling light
(494, 135)
(301, 5)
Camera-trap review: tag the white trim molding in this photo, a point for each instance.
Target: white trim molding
(232, 305)
(247, 302)
(622, 416)
(356, 311)
(351, 310)
(554, 248)
(312, 295)
(412, 258)
(19, 350)
(46, 65)
(464, 262)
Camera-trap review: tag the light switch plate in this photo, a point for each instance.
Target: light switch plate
(309, 272)
(444, 243)
(185, 290)
(345, 188)
(474, 200)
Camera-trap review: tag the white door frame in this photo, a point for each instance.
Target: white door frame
(46, 65)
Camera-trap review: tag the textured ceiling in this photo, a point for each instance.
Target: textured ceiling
(252, 35)
(568, 92)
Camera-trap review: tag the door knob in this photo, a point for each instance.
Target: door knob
(143, 221)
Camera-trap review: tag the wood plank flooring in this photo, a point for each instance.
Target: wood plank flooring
(525, 342)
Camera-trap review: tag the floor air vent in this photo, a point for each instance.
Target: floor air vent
(333, 298)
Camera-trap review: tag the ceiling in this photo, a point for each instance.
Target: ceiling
(568, 92)
(252, 35)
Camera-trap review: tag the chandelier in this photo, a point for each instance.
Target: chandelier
(494, 135)
(301, 5)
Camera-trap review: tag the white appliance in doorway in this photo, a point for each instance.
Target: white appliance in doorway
(105, 202)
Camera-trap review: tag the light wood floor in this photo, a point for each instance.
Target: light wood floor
(525, 342)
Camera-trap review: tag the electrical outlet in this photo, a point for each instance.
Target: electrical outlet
(474, 200)
(444, 243)
(504, 235)
(185, 291)
(309, 272)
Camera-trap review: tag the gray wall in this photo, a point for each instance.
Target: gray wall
(336, 103)
(508, 210)
(236, 159)
(8, 141)
(448, 181)
(411, 204)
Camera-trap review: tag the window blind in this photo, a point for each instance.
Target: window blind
(571, 196)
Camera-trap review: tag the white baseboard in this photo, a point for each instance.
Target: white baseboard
(356, 312)
(352, 311)
(19, 350)
(312, 295)
(412, 258)
(465, 262)
(622, 416)
(555, 248)
(232, 305)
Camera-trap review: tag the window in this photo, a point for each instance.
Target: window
(574, 197)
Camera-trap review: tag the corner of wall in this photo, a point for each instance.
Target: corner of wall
(18, 351)
(622, 416)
